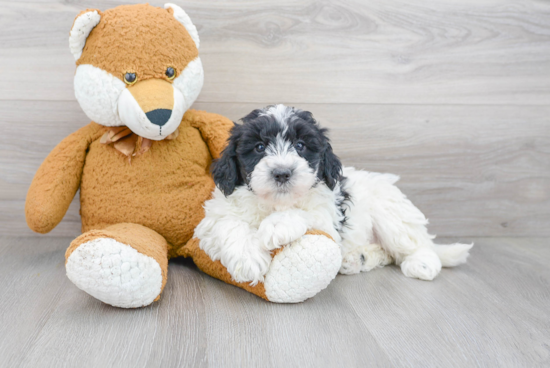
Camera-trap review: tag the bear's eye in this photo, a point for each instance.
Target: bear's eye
(170, 73)
(130, 78)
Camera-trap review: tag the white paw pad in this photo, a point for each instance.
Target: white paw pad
(302, 269)
(115, 273)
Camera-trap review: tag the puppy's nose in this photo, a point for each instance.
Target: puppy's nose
(159, 116)
(282, 175)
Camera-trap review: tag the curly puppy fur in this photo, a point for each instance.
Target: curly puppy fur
(278, 177)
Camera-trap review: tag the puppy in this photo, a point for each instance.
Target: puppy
(278, 177)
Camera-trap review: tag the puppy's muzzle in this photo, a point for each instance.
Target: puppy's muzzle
(282, 176)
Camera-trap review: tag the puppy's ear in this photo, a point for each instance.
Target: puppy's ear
(330, 168)
(306, 116)
(253, 115)
(225, 170)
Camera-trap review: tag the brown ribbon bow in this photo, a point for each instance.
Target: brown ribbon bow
(129, 143)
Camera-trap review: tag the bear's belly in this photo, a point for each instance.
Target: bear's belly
(163, 189)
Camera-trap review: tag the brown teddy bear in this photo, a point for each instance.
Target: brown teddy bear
(142, 165)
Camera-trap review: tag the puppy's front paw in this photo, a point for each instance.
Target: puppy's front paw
(281, 228)
(251, 266)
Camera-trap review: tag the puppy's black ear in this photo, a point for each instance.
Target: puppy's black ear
(330, 168)
(306, 116)
(225, 170)
(252, 115)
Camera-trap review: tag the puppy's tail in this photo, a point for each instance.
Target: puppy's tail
(453, 254)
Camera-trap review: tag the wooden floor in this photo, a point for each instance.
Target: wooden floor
(492, 312)
(452, 95)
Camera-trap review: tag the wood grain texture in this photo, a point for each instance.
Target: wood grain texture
(491, 312)
(423, 52)
(453, 96)
(473, 170)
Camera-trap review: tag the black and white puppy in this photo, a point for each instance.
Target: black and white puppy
(278, 177)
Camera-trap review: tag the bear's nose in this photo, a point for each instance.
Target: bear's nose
(282, 175)
(159, 116)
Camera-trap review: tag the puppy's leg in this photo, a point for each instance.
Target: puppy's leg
(284, 227)
(250, 262)
(364, 258)
(398, 225)
(237, 246)
(423, 264)
(401, 228)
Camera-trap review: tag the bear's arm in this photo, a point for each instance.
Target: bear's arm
(214, 130)
(57, 180)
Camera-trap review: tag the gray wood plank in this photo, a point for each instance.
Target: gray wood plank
(430, 52)
(250, 332)
(485, 313)
(491, 312)
(473, 170)
(33, 280)
(91, 334)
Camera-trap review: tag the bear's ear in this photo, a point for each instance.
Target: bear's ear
(182, 17)
(82, 26)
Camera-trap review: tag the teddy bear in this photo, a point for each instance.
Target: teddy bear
(142, 165)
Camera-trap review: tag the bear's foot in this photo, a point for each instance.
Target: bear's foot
(297, 272)
(124, 265)
(302, 269)
(115, 273)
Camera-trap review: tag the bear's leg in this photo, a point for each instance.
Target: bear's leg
(297, 271)
(124, 265)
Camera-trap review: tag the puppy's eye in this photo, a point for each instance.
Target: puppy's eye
(170, 72)
(299, 146)
(260, 147)
(130, 78)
